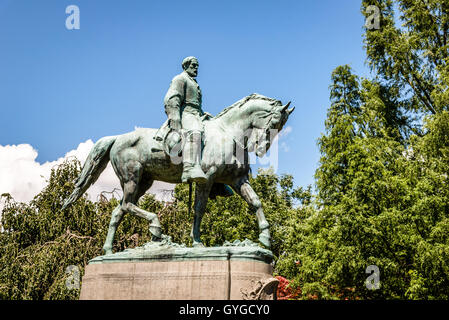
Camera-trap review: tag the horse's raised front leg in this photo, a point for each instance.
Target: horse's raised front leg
(244, 189)
(201, 197)
(127, 205)
(134, 186)
(130, 197)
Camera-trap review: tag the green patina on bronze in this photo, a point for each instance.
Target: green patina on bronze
(210, 149)
(166, 250)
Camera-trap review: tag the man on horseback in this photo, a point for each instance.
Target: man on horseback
(183, 108)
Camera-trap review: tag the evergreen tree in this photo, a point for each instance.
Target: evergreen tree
(382, 180)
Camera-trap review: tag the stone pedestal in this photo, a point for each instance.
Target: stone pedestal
(171, 272)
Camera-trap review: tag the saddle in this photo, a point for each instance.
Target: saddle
(165, 141)
(160, 138)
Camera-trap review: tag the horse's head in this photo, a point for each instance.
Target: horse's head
(255, 121)
(268, 118)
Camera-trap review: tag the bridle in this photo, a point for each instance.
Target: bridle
(237, 141)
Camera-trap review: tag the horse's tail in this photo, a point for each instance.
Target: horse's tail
(95, 163)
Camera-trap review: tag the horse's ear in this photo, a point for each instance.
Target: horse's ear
(289, 111)
(284, 108)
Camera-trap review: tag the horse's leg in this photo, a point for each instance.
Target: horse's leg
(118, 213)
(116, 217)
(155, 226)
(131, 194)
(244, 189)
(201, 197)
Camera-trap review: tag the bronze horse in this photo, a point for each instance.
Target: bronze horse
(248, 125)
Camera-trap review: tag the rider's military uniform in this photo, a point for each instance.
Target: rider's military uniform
(183, 101)
(184, 96)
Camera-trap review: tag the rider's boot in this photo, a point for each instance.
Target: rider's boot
(192, 171)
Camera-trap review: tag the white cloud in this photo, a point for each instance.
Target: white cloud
(281, 136)
(23, 177)
(285, 147)
(285, 131)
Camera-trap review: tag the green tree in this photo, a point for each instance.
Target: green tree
(382, 181)
(410, 50)
(38, 241)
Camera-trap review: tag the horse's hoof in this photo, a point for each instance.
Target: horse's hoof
(156, 232)
(155, 239)
(197, 244)
(107, 251)
(265, 240)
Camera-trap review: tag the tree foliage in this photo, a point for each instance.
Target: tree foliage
(382, 195)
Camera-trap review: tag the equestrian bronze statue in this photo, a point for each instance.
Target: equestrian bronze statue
(192, 146)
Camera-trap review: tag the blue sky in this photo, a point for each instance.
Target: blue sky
(61, 87)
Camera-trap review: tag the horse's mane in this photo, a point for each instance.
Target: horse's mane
(244, 100)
